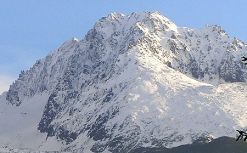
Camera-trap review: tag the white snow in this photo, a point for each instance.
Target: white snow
(18, 125)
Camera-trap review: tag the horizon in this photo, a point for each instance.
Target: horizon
(31, 30)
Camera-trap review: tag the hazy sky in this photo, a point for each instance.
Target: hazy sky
(30, 29)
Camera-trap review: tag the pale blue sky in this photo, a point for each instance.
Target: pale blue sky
(30, 29)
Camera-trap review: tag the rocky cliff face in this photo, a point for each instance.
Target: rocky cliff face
(138, 80)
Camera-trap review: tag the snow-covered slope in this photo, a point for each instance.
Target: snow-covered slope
(19, 125)
(133, 81)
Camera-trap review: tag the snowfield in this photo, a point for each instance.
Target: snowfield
(19, 125)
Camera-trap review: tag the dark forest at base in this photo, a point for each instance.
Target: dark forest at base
(220, 145)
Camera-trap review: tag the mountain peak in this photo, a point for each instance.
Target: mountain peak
(137, 80)
(117, 23)
(114, 16)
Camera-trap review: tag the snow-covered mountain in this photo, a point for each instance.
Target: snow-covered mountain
(134, 81)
